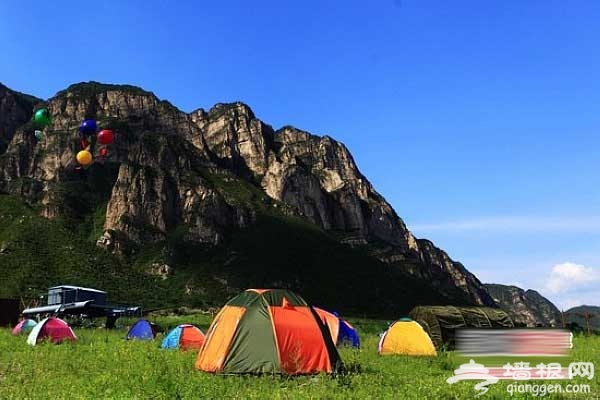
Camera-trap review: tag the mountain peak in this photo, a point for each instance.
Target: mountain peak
(235, 107)
(91, 88)
(526, 307)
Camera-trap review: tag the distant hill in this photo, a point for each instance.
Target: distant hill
(575, 315)
(527, 308)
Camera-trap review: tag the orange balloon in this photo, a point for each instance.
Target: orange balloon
(84, 157)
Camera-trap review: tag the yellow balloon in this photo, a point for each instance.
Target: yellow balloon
(84, 157)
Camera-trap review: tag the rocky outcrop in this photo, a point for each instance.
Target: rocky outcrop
(204, 174)
(161, 186)
(444, 273)
(527, 308)
(236, 138)
(319, 178)
(35, 167)
(15, 110)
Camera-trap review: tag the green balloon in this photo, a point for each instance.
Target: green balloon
(42, 116)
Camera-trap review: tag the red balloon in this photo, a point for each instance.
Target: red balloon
(105, 136)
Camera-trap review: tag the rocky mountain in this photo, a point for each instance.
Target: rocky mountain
(527, 308)
(15, 110)
(220, 198)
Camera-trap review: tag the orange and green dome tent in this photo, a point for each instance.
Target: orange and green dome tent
(268, 331)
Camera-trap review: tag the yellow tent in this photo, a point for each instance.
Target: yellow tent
(406, 336)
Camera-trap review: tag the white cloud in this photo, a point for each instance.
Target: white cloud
(569, 276)
(515, 223)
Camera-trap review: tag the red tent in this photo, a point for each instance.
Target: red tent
(54, 329)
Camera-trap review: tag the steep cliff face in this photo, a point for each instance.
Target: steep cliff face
(444, 273)
(15, 109)
(319, 178)
(527, 308)
(235, 137)
(205, 175)
(317, 175)
(161, 186)
(35, 168)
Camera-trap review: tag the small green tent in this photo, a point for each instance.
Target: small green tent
(441, 322)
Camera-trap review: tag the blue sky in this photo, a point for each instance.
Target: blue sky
(480, 124)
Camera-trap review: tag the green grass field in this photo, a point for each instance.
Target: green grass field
(102, 365)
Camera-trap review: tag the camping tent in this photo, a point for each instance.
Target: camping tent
(184, 337)
(341, 331)
(24, 326)
(405, 336)
(143, 330)
(441, 322)
(268, 331)
(54, 329)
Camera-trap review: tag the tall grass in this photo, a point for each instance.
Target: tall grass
(102, 365)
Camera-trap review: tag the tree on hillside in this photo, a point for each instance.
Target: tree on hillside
(587, 315)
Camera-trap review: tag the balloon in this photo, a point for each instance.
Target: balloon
(42, 116)
(88, 126)
(105, 136)
(84, 157)
(39, 135)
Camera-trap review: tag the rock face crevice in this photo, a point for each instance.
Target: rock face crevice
(207, 173)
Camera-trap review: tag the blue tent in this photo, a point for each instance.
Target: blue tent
(142, 330)
(342, 333)
(348, 335)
